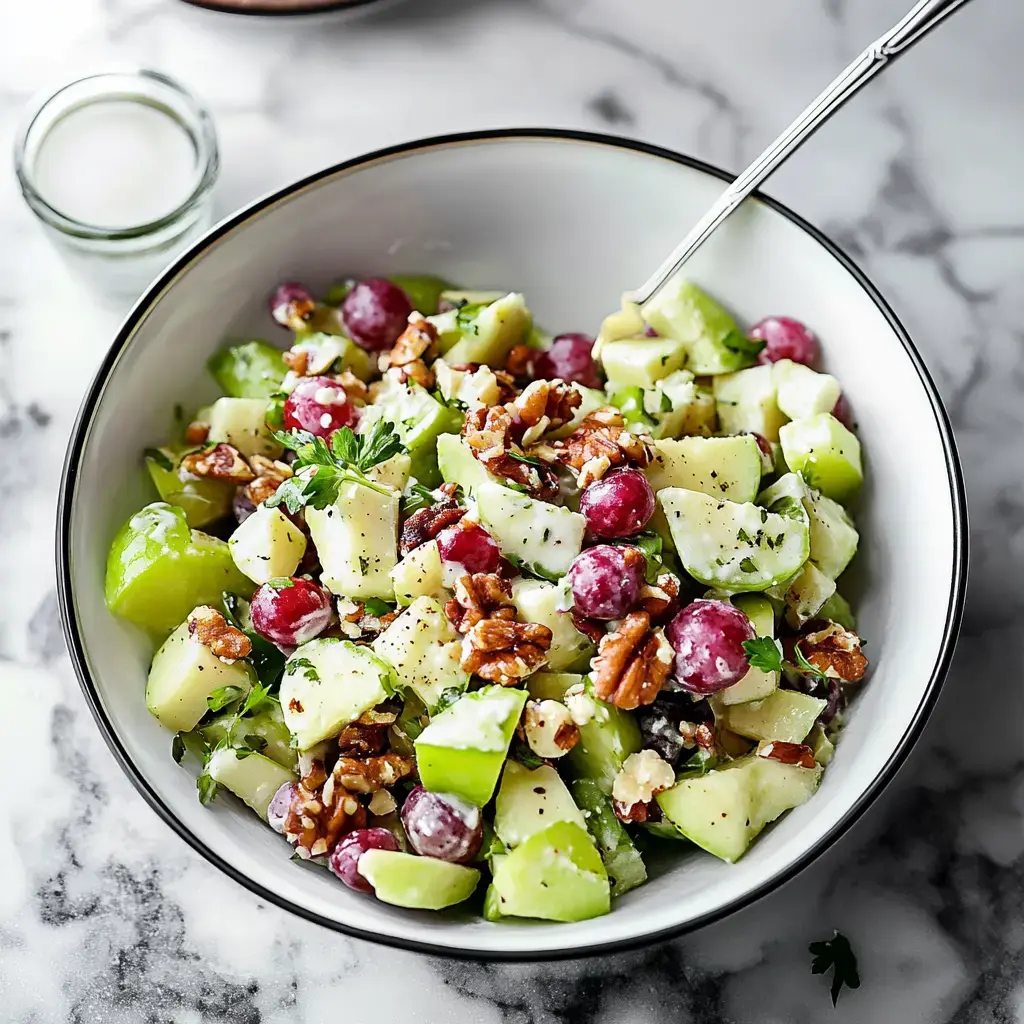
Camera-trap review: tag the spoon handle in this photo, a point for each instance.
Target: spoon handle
(924, 16)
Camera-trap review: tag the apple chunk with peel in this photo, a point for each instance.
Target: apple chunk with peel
(463, 748)
(253, 778)
(529, 801)
(555, 875)
(420, 883)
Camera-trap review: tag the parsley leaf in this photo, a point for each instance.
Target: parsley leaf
(763, 653)
(743, 537)
(321, 468)
(448, 697)
(788, 506)
(748, 565)
(222, 697)
(528, 459)
(835, 954)
(281, 582)
(651, 547)
(376, 607)
(307, 667)
(700, 763)
(522, 753)
(417, 496)
(160, 458)
(207, 788)
(742, 345)
(805, 667)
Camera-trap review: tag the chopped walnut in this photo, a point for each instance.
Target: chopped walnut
(270, 474)
(197, 432)
(207, 626)
(426, 523)
(297, 360)
(368, 774)
(519, 363)
(632, 663)
(504, 651)
(367, 735)
(417, 343)
(489, 434)
(317, 817)
(381, 803)
(643, 775)
(355, 624)
(221, 462)
(660, 598)
(479, 596)
(787, 753)
(834, 651)
(545, 405)
(635, 813)
(356, 390)
(549, 728)
(600, 443)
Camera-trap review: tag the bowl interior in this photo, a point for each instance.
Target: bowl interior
(570, 222)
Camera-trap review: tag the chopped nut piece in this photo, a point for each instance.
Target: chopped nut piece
(658, 599)
(415, 344)
(426, 523)
(381, 803)
(297, 360)
(581, 708)
(787, 753)
(632, 663)
(834, 651)
(318, 816)
(270, 474)
(367, 735)
(545, 405)
(601, 442)
(207, 626)
(642, 776)
(504, 651)
(221, 462)
(477, 597)
(520, 361)
(630, 812)
(197, 432)
(368, 774)
(550, 730)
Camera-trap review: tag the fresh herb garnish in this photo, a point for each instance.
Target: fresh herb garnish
(207, 787)
(307, 668)
(160, 458)
(281, 583)
(743, 537)
(763, 653)
(376, 607)
(448, 697)
(525, 756)
(222, 697)
(321, 468)
(742, 345)
(791, 508)
(837, 955)
(252, 744)
(701, 762)
(806, 668)
(417, 496)
(530, 460)
(748, 565)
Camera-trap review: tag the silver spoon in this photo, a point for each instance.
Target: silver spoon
(924, 16)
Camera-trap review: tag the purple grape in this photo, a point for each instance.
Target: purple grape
(708, 640)
(606, 581)
(785, 338)
(618, 504)
(279, 806)
(569, 358)
(650, 332)
(242, 506)
(344, 858)
(290, 304)
(844, 413)
(375, 313)
(441, 825)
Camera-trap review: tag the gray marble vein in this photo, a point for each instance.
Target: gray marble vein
(106, 917)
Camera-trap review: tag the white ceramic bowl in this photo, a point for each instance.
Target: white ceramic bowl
(570, 220)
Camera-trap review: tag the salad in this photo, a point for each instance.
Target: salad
(457, 607)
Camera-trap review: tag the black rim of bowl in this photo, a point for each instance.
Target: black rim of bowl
(279, 12)
(76, 648)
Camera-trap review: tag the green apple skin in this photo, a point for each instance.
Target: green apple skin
(159, 569)
(202, 499)
(253, 369)
(420, 883)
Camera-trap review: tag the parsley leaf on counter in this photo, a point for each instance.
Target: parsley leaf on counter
(835, 954)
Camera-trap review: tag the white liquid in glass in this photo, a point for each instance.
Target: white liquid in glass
(115, 164)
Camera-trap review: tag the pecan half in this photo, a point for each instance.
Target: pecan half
(415, 344)
(477, 597)
(426, 523)
(835, 652)
(197, 432)
(317, 817)
(632, 663)
(504, 651)
(207, 626)
(787, 753)
(270, 474)
(221, 462)
(601, 442)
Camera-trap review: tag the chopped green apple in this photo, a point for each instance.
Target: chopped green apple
(784, 715)
(825, 454)
(538, 601)
(542, 537)
(463, 748)
(420, 883)
(357, 541)
(756, 684)
(640, 362)
(424, 291)
(327, 684)
(242, 423)
(529, 801)
(423, 648)
(253, 778)
(268, 724)
(724, 810)
(724, 467)
(680, 310)
(802, 391)
(483, 334)
(804, 595)
(748, 400)
(837, 609)
(183, 674)
(419, 574)
(158, 569)
(556, 875)
(331, 353)
(459, 466)
(202, 499)
(253, 369)
(393, 473)
(735, 546)
(267, 545)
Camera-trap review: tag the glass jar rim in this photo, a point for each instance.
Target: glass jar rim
(190, 114)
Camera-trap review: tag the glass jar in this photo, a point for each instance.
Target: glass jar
(119, 167)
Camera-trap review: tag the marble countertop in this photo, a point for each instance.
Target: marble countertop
(105, 916)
